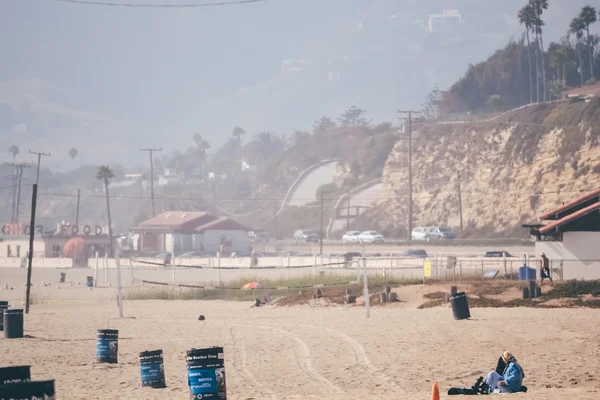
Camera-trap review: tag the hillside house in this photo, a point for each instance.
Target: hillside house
(571, 237)
(180, 232)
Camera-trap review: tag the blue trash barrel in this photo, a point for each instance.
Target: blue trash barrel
(107, 346)
(460, 306)
(3, 306)
(90, 281)
(32, 390)
(13, 323)
(206, 373)
(152, 369)
(18, 374)
(527, 273)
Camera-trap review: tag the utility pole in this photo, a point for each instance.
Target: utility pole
(460, 211)
(276, 225)
(321, 235)
(30, 255)
(20, 168)
(77, 212)
(13, 180)
(214, 193)
(39, 156)
(151, 153)
(410, 176)
(348, 214)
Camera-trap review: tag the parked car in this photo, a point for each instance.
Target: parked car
(259, 235)
(428, 233)
(192, 254)
(498, 254)
(415, 253)
(370, 237)
(305, 236)
(351, 237)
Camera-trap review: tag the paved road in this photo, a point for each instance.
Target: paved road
(306, 191)
(365, 198)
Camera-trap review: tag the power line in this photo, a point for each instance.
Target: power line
(146, 5)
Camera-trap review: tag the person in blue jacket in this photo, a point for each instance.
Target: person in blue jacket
(511, 379)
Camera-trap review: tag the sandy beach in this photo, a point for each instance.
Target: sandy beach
(304, 352)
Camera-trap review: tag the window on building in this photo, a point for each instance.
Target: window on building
(55, 251)
(18, 251)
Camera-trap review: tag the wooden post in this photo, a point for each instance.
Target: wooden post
(219, 269)
(96, 270)
(366, 288)
(131, 270)
(119, 294)
(482, 273)
(106, 267)
(391, 265)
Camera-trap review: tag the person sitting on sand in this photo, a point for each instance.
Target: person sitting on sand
(511, 379)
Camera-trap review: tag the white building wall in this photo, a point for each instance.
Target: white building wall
(579, 253)
(239, 240)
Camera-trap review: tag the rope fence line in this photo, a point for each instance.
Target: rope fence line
(316, 286)
(238, 268)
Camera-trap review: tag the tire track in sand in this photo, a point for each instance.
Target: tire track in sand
(360, 355)
(304, 358)
(242, 369)
(302, 354)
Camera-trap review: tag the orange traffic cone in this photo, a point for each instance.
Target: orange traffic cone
(435, 392)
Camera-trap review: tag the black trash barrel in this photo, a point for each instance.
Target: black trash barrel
(13, 323)
(10, 375)
(538, 291)
(89, 281)
(32, 390)
(531, 289)
(107, 346)
(3, 306)
(460, 306)
(525, 293)
(206, 373)
(63, 276)
(152, 369)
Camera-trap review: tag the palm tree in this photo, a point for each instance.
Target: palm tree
(539, 6)
(14, 150)
(526, 16)
(577, 27)
(561, 55)
(237, 133)
(265, 145)
(588, 17)
(73, 153)
(105, 174)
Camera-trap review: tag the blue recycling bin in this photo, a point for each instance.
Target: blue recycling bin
(527, 274)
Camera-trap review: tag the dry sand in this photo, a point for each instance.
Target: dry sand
(305, 352)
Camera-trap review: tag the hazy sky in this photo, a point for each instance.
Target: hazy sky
(108, 80)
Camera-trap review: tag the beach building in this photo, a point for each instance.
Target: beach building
(181, 231)
(570, 237)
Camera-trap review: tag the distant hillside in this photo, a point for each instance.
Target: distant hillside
(508, 170)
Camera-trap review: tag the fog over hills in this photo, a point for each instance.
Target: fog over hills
(108, 80)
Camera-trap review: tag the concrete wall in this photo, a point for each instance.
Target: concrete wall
(239, 240)
(184, 243)
(579, 253)
(38, 262)
(23, 244)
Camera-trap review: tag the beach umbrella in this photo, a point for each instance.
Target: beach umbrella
(252, 285)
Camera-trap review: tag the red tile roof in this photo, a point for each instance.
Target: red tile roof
(570, 218)
(586, 90)
(571, 204)
(222, 224)
(176, 220)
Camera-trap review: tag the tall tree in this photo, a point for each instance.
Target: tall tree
(588, 17)
(73, 153)
(526, 17)
(539, 6)
(237, 133)
(197, 139)
(577, 27)
(561, 55)
(105, 174)
(354, 116)
(14, 150)
(323, 124)
(264, 146)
